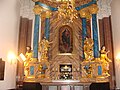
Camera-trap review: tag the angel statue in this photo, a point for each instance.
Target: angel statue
(88, 48)
(103, 54)
(105, 60)
(43, 48)
(28, 55)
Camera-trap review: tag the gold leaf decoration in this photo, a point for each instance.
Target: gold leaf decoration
(37, 9)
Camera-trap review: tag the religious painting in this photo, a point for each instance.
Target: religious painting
(65, 39)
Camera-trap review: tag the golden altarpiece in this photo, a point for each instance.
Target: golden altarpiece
(68, 51)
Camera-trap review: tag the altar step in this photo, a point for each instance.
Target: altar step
(37, 86)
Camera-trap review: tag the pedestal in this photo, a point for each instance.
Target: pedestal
(66, 85)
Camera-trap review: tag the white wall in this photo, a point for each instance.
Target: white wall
(116, 36)
(9, 27)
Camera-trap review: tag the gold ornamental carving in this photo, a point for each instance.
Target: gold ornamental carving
(85, 13)
(37, 9)
(88, 11)
(93, 9)
(48, 13)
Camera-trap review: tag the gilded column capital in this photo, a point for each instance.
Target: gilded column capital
(84, 13)
(35, 0)
(37, 9)
(93, 9)
(48, 13)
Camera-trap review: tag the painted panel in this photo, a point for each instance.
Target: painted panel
(65, 39)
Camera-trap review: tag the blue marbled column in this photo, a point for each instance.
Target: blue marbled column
(47, 28)
(94, 0)
(84, 33)
(36, 36)
(95, 36)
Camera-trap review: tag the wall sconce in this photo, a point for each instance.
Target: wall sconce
(11, 58)
(118, 57)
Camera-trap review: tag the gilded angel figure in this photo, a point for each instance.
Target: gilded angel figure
(88, 48)
(105, 60)
(43, 48)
